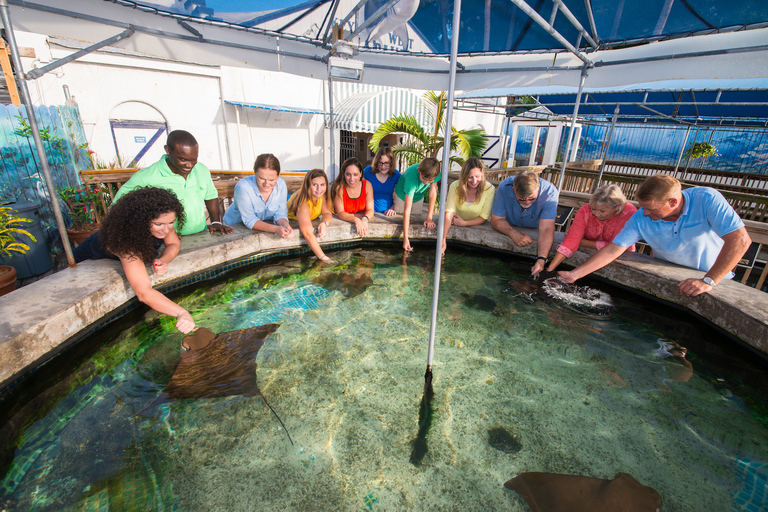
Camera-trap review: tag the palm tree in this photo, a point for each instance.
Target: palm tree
(420, 144)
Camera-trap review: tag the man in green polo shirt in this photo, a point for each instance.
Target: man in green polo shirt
(179, 172)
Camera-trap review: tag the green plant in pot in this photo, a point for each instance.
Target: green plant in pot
(87, 206)
(11, 225)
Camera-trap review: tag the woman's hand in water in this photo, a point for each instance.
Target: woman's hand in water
(326, 259)
(184, 322)
(566, 277)
(160, 267)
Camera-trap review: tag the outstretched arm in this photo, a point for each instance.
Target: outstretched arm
(597, 261)
(308, 231)
(736, 244)
(544, 244)
(137, 276)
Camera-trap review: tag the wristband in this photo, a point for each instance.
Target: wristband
(216, 222)
(365, 217)
(327, 224)
(542, 258)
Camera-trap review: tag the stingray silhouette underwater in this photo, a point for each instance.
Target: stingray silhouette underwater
(218, 365)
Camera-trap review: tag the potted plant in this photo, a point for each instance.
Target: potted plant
(701, 150)
(10, 225)
(87, 206)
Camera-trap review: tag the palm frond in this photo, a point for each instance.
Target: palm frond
(469, 143)
(398, 124)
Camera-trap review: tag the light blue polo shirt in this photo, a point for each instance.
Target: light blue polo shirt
(544, 207)
(694, 240)
(249, 206)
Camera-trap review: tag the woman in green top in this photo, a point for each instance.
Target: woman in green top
(470, 199)
(409, 192)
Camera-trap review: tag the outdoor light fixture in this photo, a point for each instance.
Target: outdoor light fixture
(345, 69)
(340, 64)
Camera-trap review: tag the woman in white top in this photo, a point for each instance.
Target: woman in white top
(470, 199)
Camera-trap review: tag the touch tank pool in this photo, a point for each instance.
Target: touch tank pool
(527, 377)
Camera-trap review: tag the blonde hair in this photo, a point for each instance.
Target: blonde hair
(304, 193)
(658, 188)
(610, 195)
(526, 183)
(471, 163)
(377, 161)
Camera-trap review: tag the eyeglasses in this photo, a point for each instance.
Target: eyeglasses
(383, 163)
(527, 199)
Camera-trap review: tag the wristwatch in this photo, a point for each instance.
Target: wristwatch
(708, 280)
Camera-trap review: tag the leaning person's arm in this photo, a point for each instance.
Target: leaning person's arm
(597, 261)
(736, 244)
(172, 246)
(544, 244)
(501, 225)
(137, 276)
(431, 206)
(308, 231)
(214, 212)
(407, 221)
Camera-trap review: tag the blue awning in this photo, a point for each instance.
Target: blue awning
(276, 108)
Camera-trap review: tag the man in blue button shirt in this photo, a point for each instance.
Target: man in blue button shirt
(531, 202)
(695, 228)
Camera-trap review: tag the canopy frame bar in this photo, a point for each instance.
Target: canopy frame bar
(575, 22)
(372, 19)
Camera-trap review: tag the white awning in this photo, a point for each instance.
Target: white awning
(276, 108)
(366, 111)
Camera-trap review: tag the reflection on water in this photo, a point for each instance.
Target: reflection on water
(523, 382)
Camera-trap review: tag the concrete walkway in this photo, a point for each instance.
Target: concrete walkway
(38, 318)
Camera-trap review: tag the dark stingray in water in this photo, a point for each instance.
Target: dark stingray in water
(349, 285)
(478, 301)
(226, 366)
(503, 441)
(426, 411)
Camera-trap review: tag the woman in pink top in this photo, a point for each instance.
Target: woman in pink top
(596, 223)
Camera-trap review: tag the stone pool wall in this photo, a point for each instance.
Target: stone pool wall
(37, 319)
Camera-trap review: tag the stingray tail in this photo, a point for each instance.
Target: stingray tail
(420, 447)
(278, 419)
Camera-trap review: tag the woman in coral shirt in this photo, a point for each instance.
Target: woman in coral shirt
(596, 223)
(353, 195)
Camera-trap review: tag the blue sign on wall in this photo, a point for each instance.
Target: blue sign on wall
(140, 140)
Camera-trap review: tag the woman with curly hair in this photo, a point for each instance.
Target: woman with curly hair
(133, 231)
(309, 203)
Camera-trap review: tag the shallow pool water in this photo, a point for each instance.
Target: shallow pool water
(523, 380)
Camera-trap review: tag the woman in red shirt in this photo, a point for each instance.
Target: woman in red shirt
(596, 223)
(353, 195)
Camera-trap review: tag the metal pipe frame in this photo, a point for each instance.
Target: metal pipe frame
(607, 146)
(372, 19)
(551, 30)
(348, 17)
(575, 22)
(444, 183)
(37, 73)
(27, 100)
(591, 15)
(584, 72)
(330, 21)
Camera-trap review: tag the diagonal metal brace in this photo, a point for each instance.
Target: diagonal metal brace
(37, 73)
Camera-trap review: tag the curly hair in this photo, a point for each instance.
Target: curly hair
(125, 230)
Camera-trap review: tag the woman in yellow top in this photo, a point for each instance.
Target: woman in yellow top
(470, 199)
(311, 201)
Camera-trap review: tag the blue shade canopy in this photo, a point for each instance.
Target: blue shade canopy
(425, 26)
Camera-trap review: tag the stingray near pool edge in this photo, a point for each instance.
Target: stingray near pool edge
(349, 285)
(225, 367)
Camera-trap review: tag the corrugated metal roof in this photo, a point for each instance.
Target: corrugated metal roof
(276, 108)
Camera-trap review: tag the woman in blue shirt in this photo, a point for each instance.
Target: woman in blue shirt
(383, 177)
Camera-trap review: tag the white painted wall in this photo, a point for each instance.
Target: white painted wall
(192, 97)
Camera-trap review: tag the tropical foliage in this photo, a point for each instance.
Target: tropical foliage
(422, 143)
(10, 225)
(701, 150)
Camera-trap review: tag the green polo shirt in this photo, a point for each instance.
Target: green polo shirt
(410, 184)
(192, 192)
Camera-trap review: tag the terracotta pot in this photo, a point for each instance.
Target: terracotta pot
(7, 279)
(78, 236)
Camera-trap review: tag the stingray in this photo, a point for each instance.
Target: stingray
(550, 492)
(478, 301)
(224, 365)
(349, 285)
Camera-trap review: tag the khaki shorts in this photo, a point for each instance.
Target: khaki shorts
(399, 206)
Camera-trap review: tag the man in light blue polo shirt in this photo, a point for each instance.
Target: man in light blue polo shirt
(261, 198)
(531, 202)
(695, 228)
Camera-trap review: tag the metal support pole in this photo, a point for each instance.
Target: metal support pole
(607, 146)
(332, 169)
(584, 72)
(682, 151)
(4, 13)
(444, 181)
